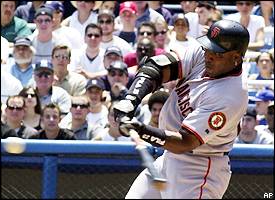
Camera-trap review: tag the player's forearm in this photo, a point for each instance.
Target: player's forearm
(176, 143)
(173, 141)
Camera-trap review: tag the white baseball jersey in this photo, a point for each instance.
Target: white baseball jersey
(211, 110)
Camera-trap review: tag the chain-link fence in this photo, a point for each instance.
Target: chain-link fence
(108, 178)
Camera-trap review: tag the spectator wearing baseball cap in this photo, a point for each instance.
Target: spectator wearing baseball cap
(127, 18)
(181, 29)
(249, 134)
(45, 40)
(106, 22)
(47, 92)
(98, 111)
(262, 100)
(43, 11)
(111, 54)
(23, 53)
(70, 33)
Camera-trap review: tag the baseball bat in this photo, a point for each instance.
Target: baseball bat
(147, 161)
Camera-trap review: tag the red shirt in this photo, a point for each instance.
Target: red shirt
(131, 58)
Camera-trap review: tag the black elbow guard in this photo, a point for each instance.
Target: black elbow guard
(150, 75)
(153, 67)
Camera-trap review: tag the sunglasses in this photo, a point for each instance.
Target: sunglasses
(145, 32)
(143, 48)
(44, 74)
(15, 108)
(46, 21)
(90, 35)
(63, 57)
(82, 106)
(27, 95)
(161, 32)
(244, 3)
(108, 21)
(114, 73)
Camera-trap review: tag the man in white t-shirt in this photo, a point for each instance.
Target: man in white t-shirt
(89, 61)
(106, 22)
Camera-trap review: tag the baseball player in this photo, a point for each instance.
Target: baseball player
(198, 122)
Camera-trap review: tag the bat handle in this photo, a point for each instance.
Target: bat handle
(158, 182)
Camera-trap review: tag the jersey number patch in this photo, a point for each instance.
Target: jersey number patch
(216, 120)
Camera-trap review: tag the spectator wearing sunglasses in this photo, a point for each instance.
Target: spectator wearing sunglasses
(89, 61)
(23, 53)
(106, 22)
(32, 107)
(50, 118)
(77, 122)
(255, 24)
(43, 38)
(70, 33)
(70, 81)
(47, 92)
(15, 112)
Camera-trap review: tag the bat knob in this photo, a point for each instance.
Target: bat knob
(160, 184)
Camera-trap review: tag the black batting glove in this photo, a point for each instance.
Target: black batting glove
(152, 135)
(125, 126)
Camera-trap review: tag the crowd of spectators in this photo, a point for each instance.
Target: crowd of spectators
(64, 65)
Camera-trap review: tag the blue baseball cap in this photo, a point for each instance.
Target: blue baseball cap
(55, 5)
(42, 65)
(95, 82)
(263, 95)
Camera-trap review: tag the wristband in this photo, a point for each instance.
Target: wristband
(154, 136)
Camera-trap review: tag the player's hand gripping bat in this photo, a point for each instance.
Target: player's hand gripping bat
(147, 161)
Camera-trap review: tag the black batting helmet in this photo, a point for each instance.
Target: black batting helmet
(224, 36)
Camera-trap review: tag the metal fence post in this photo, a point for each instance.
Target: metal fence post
(49, 179)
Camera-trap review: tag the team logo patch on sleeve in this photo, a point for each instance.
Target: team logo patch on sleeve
(216, 120)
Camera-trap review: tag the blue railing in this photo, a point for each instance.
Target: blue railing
(50, 154)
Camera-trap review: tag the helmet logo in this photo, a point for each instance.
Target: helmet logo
(215, 31)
